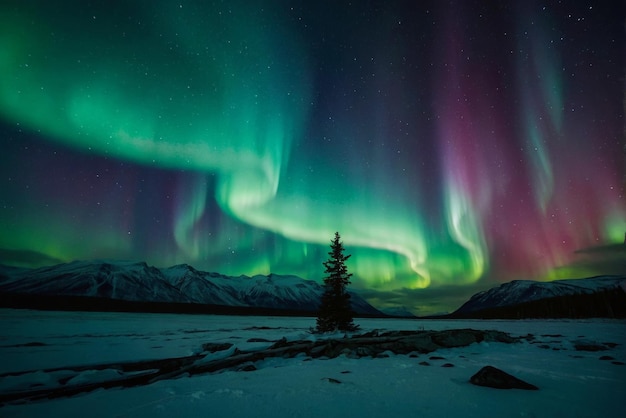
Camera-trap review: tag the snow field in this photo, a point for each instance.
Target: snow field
(572, 383)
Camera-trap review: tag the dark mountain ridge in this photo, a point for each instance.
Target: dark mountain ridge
(600, 296)
(136, 286)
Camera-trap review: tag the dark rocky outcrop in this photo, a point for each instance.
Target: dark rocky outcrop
(214, 347)
(492, 377)
(584, 345)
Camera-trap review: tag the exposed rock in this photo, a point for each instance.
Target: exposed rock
(606, 358)
(421, 343)
(373, 333)
(424, 363)
(453, 338)
(247, 367)
(618, 363)
(495, 378)
(364, 352)
(259, 340)
(447, 365)
(498, 336)
(280, 343)
(436, 358)
(584, 345)
(214, 347)
(331, 380)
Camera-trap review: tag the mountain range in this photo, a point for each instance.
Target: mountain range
(114, 285)
(136, 286)
(600, 296)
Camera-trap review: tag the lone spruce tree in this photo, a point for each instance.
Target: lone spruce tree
(335, 312)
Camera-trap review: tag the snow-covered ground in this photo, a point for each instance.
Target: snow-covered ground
(571, 383)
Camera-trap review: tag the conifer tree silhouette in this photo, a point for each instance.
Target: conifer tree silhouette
(335, 312)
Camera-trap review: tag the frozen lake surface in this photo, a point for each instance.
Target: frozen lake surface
(571, 383)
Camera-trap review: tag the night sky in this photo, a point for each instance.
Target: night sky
(453, 144)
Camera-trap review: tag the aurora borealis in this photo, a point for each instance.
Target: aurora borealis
(452, 144)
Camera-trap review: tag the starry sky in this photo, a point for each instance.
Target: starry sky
(454, 145)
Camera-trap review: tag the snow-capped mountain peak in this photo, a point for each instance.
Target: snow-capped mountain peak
(139, 282)
(522, 291)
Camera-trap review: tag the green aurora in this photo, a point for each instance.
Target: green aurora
(238, 138)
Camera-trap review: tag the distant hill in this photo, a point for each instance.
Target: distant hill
(136, 286)
(398, 312)
(601, 296)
